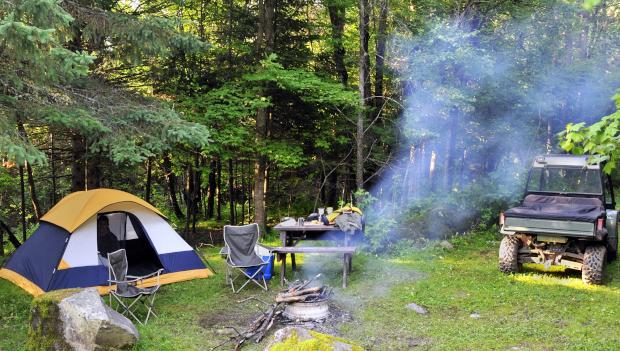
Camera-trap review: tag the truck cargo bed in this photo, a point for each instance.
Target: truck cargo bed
(563, 208)
(548, 226)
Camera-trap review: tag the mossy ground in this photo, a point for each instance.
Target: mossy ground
(534, 310)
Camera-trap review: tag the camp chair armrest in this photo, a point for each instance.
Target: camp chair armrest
(156, 273)
(128, 281)
(254, 265)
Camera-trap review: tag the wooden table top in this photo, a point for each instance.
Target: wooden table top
(307, 227)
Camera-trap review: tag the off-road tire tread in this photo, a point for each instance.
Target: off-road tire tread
(593, 268)
(509, 255)
(612, 249)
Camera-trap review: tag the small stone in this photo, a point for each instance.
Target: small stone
(419, 309)
(474, 315)
(446, 245)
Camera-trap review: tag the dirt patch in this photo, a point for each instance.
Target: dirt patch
(226, 318)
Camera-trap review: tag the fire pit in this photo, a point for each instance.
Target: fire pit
(306, 311)
(298, 303)
(305, 303)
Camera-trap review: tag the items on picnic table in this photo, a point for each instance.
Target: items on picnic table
(346, 209)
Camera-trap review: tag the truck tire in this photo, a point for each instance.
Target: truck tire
(612, 248)
(594, 260)
(509, 255)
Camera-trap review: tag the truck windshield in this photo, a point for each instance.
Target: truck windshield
(565, 180)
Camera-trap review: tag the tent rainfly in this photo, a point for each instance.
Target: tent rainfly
(64, 251)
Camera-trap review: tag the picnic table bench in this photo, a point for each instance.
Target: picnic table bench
(290, 235)
(346, 251)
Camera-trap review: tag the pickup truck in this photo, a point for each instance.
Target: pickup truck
(567, 218)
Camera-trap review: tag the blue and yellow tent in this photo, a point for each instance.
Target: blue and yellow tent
(63, 252)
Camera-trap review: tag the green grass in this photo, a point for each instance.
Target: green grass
(533, 310)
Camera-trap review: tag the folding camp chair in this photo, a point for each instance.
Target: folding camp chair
(126, 287)
(241, 242)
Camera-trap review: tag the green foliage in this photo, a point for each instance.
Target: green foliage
(601, 139)
(308, 86)
(34, 57)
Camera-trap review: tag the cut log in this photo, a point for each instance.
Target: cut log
(300, 292)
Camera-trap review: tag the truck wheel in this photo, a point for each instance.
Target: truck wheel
(612, 248)
(509, 255)
(593, 264)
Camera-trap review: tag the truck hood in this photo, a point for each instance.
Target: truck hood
(581, 209)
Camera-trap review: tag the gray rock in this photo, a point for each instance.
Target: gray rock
(323, 341)
(419, 309)
(446, 245)
(82, 322)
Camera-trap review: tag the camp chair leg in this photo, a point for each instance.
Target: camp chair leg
(251, 278)
(127, 309)
(149, 306)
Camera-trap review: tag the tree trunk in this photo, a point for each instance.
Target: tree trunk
(78, 169)
(93, 172)
(212, 189)
(380, 55)
(147, 190)
(243, 197)
(364, 89)
(188, 198)
(219, 190)
(549, 143)
(53, 169)
(22, 191)
(451, 152)
(265, 34)
(31, 185)
(231, 192)
(171, 180)
(12, 238)
(337, 17)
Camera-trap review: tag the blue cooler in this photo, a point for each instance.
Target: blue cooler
(267, 257)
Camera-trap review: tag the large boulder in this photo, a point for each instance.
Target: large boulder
(78, 320)
(300, 339)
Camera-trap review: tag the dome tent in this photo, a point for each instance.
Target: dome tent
(63, 252)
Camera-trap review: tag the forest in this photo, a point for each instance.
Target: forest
(421, 117)
(249, 111)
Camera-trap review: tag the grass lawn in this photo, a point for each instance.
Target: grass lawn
(471, 305)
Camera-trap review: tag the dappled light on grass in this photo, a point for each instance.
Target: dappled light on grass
(558, 276)
(553, 279)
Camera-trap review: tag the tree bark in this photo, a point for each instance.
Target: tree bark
(219, 190)
(78, 169)
(265, 34)
(93, 172)
(171, 180)
(364, 89)
(188, 198)
(231, 192)
(53, 169)
(22, 191)
(31, 185)
(337, 17)
(12, 237)
(147, 190)
(380, 55)
(212, 190)
(243, 197)
(451, 152)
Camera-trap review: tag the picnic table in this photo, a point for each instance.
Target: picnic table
(290, 235)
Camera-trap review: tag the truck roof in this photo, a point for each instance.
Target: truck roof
(564, 160)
